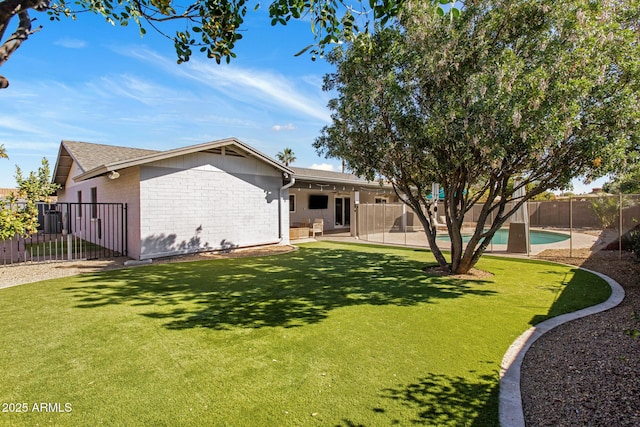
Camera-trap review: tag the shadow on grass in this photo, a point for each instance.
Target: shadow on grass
(582, 290)
(288, 290)
(441, 400)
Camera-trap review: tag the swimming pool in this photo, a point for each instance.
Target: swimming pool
(536, 237)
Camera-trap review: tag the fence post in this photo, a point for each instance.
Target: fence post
(69, 248)
(621, 224)
(570, 226)
(384, 219)
(404, 218)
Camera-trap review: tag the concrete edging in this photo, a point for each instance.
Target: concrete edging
(510, 407)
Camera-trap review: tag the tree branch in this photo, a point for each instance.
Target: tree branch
(14, 42)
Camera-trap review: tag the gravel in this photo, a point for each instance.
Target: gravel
(583, 373)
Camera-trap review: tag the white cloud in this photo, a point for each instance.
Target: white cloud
(14, 123)
(264, 87)
(323, 167)
(250, 86)
(71, 43)
(278, 128)
(137, 89)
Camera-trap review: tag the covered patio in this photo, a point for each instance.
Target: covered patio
(324, 201)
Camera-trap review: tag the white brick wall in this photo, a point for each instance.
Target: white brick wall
(195, 202)
(206, 201)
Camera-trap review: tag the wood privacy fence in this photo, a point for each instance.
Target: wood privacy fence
(71, 231)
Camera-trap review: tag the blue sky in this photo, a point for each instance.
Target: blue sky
(87, 80)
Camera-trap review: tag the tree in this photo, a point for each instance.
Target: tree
(627, 182)
(211, 26)
(19, 213)
(3, 152)
(286, 156)
(510, 94)
(608, 209)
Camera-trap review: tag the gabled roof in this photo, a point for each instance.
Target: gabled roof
(88, 156)
(97, 159)
(304, 175)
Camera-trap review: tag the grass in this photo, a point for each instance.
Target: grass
(332, 334)
(58, 247)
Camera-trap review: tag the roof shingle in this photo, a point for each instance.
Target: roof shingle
(89, 155)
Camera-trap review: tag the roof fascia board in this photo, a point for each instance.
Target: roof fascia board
(63, 146)
(55, 168)
(163, 155)
(352, 182)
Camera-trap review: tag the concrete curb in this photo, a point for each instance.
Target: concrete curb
(511, 413)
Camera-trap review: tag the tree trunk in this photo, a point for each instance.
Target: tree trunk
(431, 232)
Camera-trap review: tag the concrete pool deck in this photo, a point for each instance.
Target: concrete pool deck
(417, 238)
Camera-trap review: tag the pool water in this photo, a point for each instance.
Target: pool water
(502, 237)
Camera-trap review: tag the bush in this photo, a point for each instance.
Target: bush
(634, 242)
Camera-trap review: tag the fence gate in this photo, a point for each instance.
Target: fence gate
(71, 231)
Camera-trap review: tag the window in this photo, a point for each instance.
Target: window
(79, 204)
(380, 200)
(94, 202)
(292, 202)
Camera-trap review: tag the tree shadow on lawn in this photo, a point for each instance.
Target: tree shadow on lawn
(579, 289)
(442, 400)
(288, 290)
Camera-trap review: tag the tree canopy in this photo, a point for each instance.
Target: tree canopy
(510, 94)
(627, 182)
(211, 26)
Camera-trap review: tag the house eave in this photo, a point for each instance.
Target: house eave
(154, 157)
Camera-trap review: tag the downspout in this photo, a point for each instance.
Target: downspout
(284, 187)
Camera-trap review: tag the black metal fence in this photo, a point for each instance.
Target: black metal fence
(71, 231)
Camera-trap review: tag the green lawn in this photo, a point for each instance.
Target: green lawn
(332, 334)
(58, 247)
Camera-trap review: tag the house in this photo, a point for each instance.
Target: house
(333, 197)
(217, 195)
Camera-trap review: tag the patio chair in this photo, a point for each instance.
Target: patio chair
(317, 227)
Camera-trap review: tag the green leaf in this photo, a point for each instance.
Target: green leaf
(633, 333)
(304, 50)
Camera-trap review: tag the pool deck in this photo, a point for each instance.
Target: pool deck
(418, 239)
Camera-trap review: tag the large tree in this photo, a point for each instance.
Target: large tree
(211, 26)
(510, 94)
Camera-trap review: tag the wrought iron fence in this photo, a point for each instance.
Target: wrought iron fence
(590, 222)
(71, 231)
